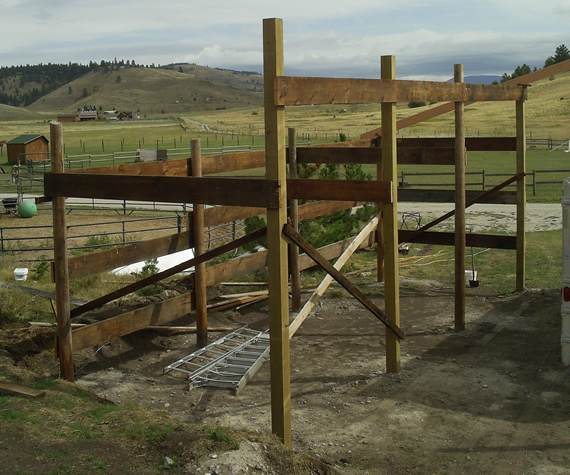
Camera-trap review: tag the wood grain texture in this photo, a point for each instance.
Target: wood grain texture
(447, 239)
(261, 193)
(340, 190)
(448, 196)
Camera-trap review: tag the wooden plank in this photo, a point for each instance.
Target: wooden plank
(320, 208)
(293, 206)
(153, 279)
(473, 144)
(61, 268)
(273, 66)
(390, 221)
(294, 91)
(460, 159)
(130, 322)
(477, 199)
(448, 196)
(325, 283)
(17, 390)
(199, 287)
(341, 279)
(226, 214)
(107, 260)
(449, 106)
(211, 190)
(163, 168)
(448, 239)
(340, 190)
(521, 196)
(368, 155)
(230, 162)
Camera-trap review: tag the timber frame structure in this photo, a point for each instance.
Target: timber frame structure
(186, 181)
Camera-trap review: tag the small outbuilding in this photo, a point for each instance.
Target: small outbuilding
(27, 147)
(68, 118)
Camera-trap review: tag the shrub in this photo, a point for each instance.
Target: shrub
(415, 104)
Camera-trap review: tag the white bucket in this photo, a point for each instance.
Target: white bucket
(470, 275)
(21, 273)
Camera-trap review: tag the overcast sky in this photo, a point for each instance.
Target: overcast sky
(322, 37)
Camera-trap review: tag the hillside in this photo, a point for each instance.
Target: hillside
(152, 91)
(15, 113)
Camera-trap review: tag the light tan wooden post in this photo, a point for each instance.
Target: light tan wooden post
(521, 196)
(294, 215)
(459, 206)
(61, 270)
(390, 220)
(277, 245)
(199, 248)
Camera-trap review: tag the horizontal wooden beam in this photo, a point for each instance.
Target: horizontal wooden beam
(448, 196)
(229, 162)
(208, 190)
(109, 259)
(448, 239)
(130, 322)
(291, 91)
(449, 106)
(372, 155)
(472, 144)
(340, 190)
(164, 168)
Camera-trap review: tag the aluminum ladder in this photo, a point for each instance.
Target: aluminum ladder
(229, 362)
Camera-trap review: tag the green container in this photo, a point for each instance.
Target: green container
(27, 209)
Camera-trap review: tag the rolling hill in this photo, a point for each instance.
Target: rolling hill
(155, 91)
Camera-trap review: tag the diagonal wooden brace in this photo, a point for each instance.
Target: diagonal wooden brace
(341, 279)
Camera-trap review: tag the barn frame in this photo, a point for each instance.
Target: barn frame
(187, 181)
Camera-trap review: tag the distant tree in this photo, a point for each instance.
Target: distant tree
(85, 92)
(69, 90)
(518, 72)
(180, 69)
(560, 54)
(118, 79)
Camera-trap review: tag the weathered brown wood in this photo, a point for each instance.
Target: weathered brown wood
(163, 168)
(367, 155)
(230, 162)
(521, 196)
(273, 66)
(187, 329)
(460, 159)
(199, 289)
(477, 199)
(448, 196)
(293, 206)
(153, 279)
(130, 322)
(473, 144)
(320, 208)
(17, 390)
(449, 106)
(226, 214)
(341, 279)
(206, 190)
(107, 260)
(448, 239)
(325, 283)
(343, 190)
(294, 91)
(390, 220)
(61, 272)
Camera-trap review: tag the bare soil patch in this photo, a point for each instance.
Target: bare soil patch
(494, 398)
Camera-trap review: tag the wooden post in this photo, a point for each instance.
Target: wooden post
(61, 270)
(199, 248)
(277, 245)
(459, 207)
(389, 172)
(294, 215)
(521, 196)
(380, 227)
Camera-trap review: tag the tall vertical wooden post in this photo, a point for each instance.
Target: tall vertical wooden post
(61, 269)
(459, 206)
(199, 248)
(521, 197)
(277, 245)
(293, 206)
(390, 220)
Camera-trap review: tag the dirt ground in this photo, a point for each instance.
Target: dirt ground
(494, 398)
